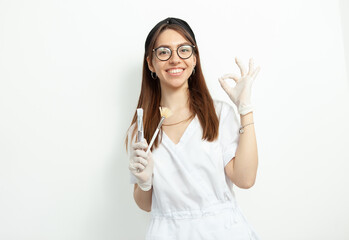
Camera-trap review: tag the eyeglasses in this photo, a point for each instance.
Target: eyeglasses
(165, 53)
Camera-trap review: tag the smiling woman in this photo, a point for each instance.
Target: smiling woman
(173, 70)
(185, 179)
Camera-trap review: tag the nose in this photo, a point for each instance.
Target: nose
(174, 59)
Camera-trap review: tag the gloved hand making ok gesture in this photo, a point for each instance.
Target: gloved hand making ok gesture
(241, 93)
(142, 165)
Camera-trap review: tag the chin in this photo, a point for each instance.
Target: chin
(178, 83)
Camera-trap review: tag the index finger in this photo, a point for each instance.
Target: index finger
(140, 145)
(241, 66)
(230, 76)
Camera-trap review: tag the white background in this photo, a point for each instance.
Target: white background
(70, 74)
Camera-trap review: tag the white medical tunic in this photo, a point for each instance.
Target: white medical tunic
(192, 197)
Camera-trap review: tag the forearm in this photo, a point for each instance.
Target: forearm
(142, 198)
(246, 156)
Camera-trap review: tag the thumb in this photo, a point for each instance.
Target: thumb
(150, 155)
(224, 85)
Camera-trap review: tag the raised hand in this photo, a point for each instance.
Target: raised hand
(241, 93)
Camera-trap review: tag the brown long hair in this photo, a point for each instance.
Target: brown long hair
(200, 100)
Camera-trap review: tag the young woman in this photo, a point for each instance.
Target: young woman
(202, 150)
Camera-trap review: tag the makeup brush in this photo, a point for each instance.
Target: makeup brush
(140, 124)
(165, 113)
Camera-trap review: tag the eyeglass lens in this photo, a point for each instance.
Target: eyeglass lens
(164, 53)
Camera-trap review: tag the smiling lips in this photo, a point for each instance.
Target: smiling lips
(175, 71)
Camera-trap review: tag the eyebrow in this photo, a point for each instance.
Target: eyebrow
(168, 46)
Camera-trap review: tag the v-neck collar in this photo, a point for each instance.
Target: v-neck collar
(187, 132)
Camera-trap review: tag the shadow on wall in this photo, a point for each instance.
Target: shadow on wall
(128, 93)
(125, 212)
(344, 11)
(114, 212)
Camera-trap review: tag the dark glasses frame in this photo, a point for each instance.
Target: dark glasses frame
(185, 45)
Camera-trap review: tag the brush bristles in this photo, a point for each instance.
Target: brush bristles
(165, 112)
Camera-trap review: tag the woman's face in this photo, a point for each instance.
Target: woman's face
(174, 72)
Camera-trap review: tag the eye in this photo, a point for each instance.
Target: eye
(163, 51)
(185, 49)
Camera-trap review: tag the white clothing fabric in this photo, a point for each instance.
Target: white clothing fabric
(192, 197)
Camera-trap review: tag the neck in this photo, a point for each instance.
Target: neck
(175, 99)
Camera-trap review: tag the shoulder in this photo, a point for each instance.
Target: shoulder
(222, 108)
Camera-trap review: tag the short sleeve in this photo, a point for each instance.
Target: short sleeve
(133, 179)
(228, 130)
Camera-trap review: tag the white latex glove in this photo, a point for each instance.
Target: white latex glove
(241, 93)
(142, 165)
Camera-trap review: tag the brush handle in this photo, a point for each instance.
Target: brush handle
(160, 123)
(140, 136)
(155, 134)
(152, 140)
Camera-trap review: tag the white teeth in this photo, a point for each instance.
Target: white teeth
(175, 70)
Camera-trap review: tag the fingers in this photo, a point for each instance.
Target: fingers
(139, 157)
(140, 145)
(255, 73)
(138, 164)
(224, 84)
(138, 167)
(142, 161)
(250, 68)
(140, 153)
(231, 76)
(252, 72)
(131, 167)
(241, 66)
